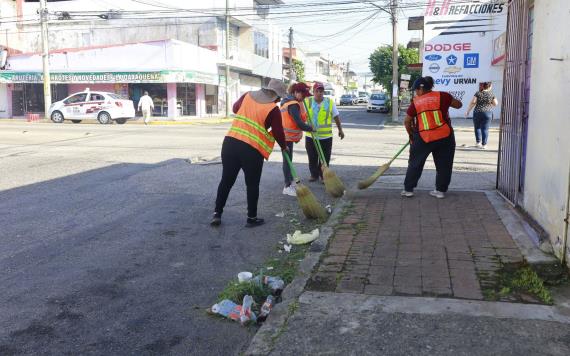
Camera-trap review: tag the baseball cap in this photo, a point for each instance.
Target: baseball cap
(301, 87)
(318, 85)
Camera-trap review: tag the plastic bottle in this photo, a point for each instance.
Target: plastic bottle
(276, 284)
(246, 314)
(266, 308)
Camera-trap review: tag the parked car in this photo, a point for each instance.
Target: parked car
(103, 106)
(362, 98)
(378, 102)
(347, 99)
(354, 99)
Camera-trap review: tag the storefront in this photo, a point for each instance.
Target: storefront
(184, 88)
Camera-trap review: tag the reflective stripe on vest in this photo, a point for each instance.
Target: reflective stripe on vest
(324, 117)
(292, 131)
(430, 120)
(249, 125)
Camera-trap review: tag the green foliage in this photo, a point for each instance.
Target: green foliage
(235, 291)
(299, 68)
(381, 64)
(526, 279)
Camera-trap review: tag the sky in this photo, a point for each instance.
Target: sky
(356, 44)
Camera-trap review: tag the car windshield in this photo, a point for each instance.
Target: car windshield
(117, 96)
(346, 96)
(378, 97)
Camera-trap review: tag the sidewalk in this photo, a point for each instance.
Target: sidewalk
(138, 121)
(407, 276)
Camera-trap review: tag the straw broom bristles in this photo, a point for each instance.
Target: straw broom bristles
(363, 184)
(309, 203)
(333, 184)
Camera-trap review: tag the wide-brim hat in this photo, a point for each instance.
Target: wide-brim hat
(274, 90)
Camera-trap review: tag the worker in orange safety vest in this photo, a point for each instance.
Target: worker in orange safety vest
(294, 123)
(430, 132)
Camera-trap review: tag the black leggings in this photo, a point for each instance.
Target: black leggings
(237, 155)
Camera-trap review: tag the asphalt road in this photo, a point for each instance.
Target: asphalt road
(106, 247)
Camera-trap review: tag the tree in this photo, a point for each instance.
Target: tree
(381, 64)
(299, 69)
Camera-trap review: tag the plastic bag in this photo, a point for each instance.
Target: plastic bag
(299, 238)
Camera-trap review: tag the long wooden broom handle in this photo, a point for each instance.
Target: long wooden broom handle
(399, 152)
(293, 171)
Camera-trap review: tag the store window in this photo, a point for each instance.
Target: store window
(186, 99)
(261, 44)
(157, 92)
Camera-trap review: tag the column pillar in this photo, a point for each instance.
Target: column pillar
(200, 100)
(171, 98)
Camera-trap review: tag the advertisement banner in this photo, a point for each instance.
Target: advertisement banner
(165, 76)
(460, 47)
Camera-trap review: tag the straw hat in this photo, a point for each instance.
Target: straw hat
(274, 90)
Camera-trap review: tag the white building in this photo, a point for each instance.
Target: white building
(534, 154)
(82, 25)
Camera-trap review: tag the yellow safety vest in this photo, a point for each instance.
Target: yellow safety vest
(323, 122)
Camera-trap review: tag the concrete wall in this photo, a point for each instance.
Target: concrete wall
(548, 152)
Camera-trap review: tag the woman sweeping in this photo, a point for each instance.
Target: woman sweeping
(294, 123)
(248, 142)
(484, 101)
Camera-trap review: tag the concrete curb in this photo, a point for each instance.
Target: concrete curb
(515, 226)
(262, 343)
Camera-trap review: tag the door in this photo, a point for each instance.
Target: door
(75, 106)
(94, 105)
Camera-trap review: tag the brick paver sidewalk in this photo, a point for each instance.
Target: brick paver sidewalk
(386, 244)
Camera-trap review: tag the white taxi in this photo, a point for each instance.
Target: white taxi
(103, 106)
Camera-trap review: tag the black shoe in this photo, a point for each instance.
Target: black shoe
(216, 219)
(253, 222)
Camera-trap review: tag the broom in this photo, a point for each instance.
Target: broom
(333, 184)
(363, 184)
(307, 200)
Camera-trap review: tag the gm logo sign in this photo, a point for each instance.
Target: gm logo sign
(433, 57)
(471, 60)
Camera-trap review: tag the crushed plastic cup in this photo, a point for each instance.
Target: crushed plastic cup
(244, 276)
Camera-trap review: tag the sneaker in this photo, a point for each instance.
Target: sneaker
(253, 222)
(479, 145)
(290, 190)
(216, 219)
(313, 179)
(407, 194)
(437, 194)
(484, 147)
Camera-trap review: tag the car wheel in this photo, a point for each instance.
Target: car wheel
(104, 118)
(76, 121)
(121, 121)
(57, 117)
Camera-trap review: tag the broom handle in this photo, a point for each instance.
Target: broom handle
(293, 171)
(399, 152)
(316, 141)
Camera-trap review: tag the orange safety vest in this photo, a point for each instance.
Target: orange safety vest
(249, 125)
(430, 121)
(292, 131)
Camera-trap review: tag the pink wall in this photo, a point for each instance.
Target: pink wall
(74, 88)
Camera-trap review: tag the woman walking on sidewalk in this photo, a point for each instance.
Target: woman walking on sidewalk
(484, 101)
(430, 131)
(248, 142)
(321, 111)
(294, 123)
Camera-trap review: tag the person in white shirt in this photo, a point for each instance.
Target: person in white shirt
(147, 106)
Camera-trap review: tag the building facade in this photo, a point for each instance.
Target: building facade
(80, 26)
(534, 154)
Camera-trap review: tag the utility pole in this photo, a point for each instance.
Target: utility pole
(395, 104)
(227, 58)
(45, 57)
(291, 67)
(348, 76)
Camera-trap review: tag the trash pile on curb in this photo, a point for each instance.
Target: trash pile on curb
(272, 286)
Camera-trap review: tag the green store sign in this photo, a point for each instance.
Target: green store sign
(111, 77)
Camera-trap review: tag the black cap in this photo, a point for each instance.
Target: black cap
(421, 82)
